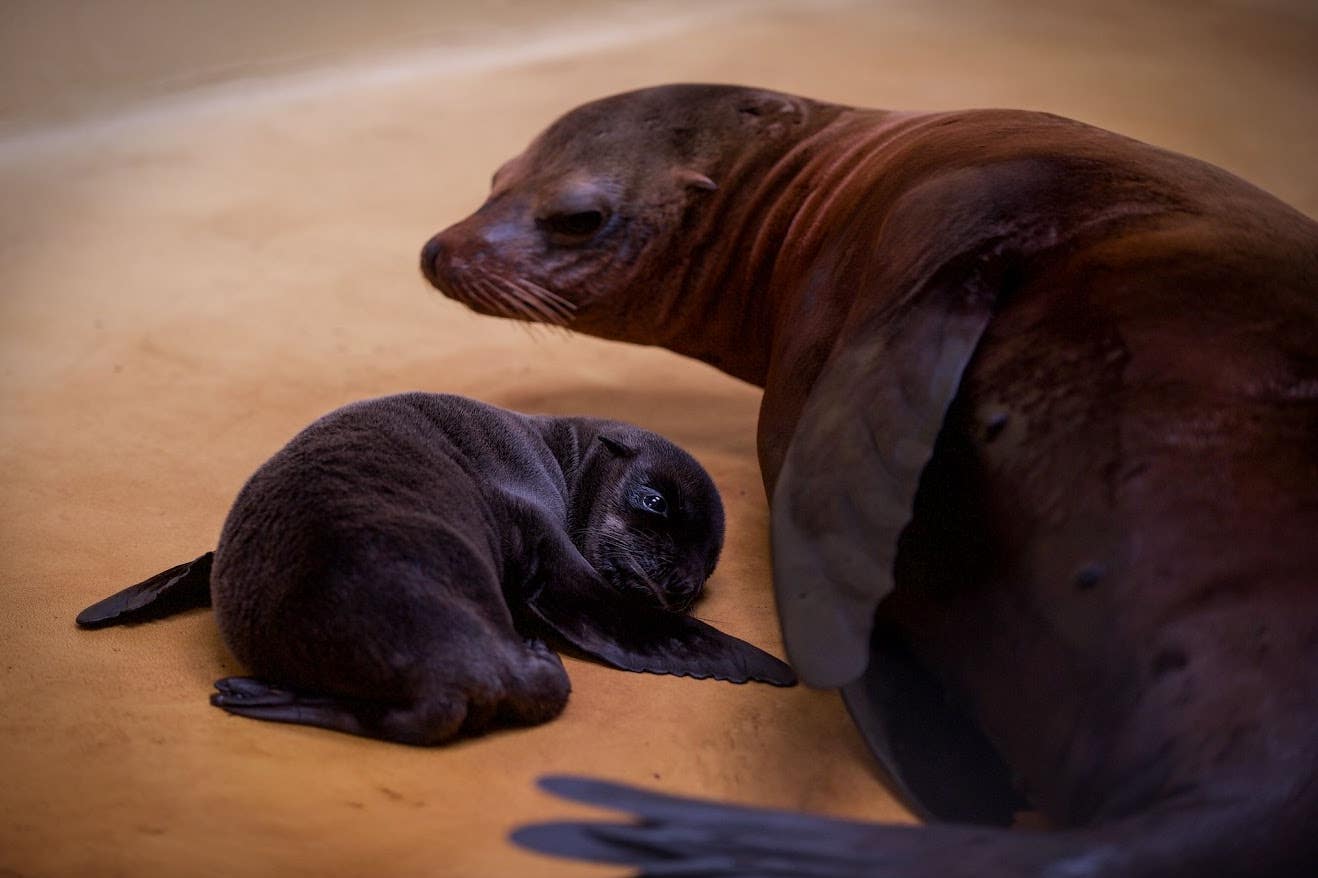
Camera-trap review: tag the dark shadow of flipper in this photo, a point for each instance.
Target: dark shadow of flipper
(180, 588)
(634, 637)
(942, 764)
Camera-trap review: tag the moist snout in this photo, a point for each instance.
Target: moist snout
(431, 254)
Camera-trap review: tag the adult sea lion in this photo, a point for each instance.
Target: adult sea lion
(1098, 363)
(390, 571)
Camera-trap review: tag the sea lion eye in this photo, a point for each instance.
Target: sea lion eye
(652, 501)
(573, 225)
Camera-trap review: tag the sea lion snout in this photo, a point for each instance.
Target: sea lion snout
(431, 254)
(448, 255)
(683, 593)
(468, 261)
(667, 589)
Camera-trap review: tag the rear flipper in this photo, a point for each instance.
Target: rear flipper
(1223, 835)
(180, 588)
(432, 723)
(677, 836)
(535, 690)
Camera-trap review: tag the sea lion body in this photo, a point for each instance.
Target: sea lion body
(1098, 360)
(391, 571)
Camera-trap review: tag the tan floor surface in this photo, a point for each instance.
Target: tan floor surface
(184, 284)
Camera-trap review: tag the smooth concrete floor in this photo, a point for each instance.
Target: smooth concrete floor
(188, 279)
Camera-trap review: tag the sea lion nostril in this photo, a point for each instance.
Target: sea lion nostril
(430, 255)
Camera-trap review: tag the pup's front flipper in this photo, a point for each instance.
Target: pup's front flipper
(426, 721)
(179, 588)
(593, 617)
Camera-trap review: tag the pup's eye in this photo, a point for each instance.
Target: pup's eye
(652, 501)
(573, 225)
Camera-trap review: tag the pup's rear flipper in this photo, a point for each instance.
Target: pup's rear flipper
(426, 722)
(180, 588)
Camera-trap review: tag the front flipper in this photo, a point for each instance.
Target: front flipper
(634, 637)
(179, 588)
(848, 481)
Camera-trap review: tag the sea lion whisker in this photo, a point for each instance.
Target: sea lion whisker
(506, 303)
(526, 301)
(561, 309)
(488, 296)
(515, 294)
(476, 291)
(530, 327)
(548, 295)
(554, 307)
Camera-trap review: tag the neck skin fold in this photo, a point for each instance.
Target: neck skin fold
(756, 258)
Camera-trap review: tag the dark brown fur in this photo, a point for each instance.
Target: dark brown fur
(390, 572)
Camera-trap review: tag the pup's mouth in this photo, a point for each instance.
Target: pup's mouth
(634, 583)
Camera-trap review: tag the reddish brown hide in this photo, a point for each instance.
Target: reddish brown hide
(1040, 400)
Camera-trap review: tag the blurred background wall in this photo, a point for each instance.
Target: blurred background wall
(1138, 66)
(64, 58)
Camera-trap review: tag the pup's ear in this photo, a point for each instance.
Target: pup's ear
(617, 446)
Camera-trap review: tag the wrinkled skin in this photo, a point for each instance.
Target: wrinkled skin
(1094, 359)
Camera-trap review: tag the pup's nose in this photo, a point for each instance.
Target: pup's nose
(430, 256)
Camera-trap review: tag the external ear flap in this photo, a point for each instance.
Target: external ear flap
(172, 591)
(695, 180)
(847, 486)
(595, 619)
(617, 446)
(771, 111)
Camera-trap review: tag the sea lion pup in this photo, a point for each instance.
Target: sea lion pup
(390, 571)
(1098, 362)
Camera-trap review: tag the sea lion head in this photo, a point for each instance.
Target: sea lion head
(647, 516)
(597, 203)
